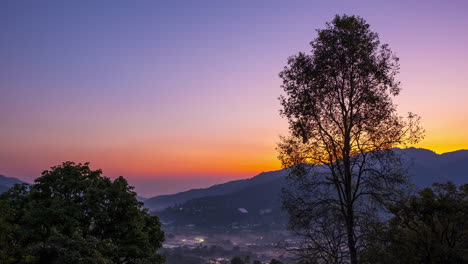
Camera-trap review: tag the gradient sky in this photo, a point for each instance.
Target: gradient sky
(180, 94)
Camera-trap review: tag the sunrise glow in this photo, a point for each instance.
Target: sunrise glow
(155, 90)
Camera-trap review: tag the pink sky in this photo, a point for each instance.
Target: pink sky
(186, 96)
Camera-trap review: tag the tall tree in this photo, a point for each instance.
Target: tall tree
(73, 214)
(338, 101)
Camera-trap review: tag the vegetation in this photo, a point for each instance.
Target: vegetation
(7, 228)
(429, 227)
(210, 211)
(73, 214)
(338, 101)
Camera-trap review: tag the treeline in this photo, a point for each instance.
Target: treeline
(428, 227)
(72, 214)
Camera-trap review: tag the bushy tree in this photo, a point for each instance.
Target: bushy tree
(7, 228)
(338, 101)
(72, 214)
(429, 227)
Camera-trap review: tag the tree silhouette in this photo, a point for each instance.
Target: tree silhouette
(343, 126)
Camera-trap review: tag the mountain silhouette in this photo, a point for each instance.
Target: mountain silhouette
(256, 201)
(161, 202)
(8, 182)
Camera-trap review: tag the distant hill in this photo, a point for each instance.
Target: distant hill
(3, 189)
(256, 201)
(428, 167)
(8, 182)
(140, 198)
(258, 205)
(161, 202)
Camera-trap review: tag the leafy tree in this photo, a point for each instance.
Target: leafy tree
(73, 214)
(338, 101)
(237, 260)
(429, 227)
(7, 228)
(257, 262)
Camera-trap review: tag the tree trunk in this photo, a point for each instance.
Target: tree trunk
(351, 238)
(349, 195)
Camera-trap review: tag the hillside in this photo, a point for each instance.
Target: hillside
(161, 202)
(427, 167)
(257, 205)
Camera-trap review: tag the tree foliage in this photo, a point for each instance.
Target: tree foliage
(7, 228)
(429, 227)
(338, 101)
(72, 214)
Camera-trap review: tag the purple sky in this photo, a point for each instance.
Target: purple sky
(182, 94)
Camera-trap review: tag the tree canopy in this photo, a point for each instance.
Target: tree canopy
(72, 214)
(428, 227)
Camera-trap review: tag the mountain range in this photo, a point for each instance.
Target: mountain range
(161, 202)
(8, 182)
(256, 201)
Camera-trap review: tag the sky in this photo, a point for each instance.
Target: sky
(183, 94)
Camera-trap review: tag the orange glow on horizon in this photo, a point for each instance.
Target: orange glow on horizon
(141, 105)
